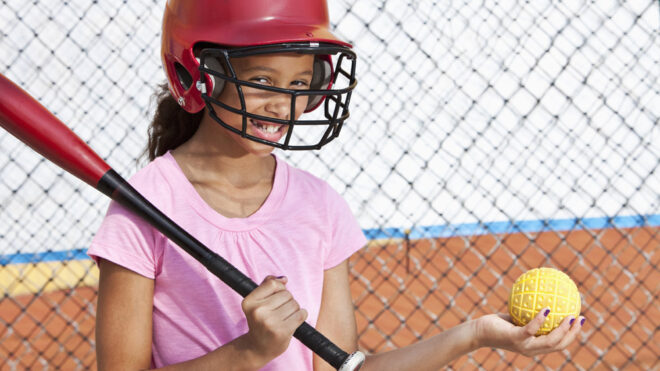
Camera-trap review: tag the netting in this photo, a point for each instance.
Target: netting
(485, 138)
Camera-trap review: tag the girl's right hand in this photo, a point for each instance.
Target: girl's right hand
(272, 316)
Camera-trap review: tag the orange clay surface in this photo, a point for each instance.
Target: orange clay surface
(410, 290)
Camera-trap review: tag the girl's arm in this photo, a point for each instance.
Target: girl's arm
(124, 325)
(493, 330)
(123, 318)
(337, 322)
(337, 316)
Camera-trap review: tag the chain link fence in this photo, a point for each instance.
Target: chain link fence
(485, 138)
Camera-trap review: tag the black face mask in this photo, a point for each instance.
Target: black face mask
(329, 89)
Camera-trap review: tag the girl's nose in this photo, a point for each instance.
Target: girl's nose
(279, 105)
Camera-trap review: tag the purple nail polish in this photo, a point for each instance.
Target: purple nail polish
(571, 322)
(547, 311)
(582, 321)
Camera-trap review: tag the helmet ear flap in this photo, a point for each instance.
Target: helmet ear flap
(185, 79)
(217, 83)
(321, 80)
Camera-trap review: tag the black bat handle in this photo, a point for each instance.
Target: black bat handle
(117, 188)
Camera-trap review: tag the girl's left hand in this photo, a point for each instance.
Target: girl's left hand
(497, 331)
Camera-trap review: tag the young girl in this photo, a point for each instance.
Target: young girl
(241, 74)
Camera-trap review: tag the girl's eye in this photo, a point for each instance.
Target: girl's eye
(300, 84)
(259, 80)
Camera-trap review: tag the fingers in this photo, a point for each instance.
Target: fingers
(531, 328)
(574, 327)
(296, 318)
(272, 315)
(562, 336)
(556, 340)
(282, 305)
(268, 286)
(273, 297)
(553, 340)
(272, 305)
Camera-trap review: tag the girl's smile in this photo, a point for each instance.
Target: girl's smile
(284, 70)
(267, 130)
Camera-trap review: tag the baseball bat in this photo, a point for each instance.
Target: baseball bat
(29, 121)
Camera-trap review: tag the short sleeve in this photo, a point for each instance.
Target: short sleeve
(126, 240)
(346, 235)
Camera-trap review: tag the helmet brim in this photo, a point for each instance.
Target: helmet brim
(279, 32)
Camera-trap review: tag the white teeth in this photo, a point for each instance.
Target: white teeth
(271, 129)
(267, 128)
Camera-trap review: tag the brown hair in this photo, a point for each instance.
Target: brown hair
(171, 126)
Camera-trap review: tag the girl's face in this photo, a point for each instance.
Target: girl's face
(285, 70)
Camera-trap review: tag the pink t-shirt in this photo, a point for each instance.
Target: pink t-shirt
(303, 228)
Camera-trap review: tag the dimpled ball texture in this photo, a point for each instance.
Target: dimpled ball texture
(539, 288)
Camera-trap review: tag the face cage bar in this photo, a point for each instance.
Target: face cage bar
(334, 121)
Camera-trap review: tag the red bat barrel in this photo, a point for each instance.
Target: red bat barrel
(33, 124)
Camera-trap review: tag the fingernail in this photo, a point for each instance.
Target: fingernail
(547, 311)
(582, 321)
(279, 277)
(571, 322)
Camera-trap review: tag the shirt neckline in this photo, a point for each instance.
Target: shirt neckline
(181, 182)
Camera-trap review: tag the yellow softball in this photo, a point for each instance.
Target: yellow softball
(539, 288)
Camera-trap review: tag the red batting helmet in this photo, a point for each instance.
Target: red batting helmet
(201, 36)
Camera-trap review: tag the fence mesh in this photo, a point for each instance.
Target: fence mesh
(486, 138)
